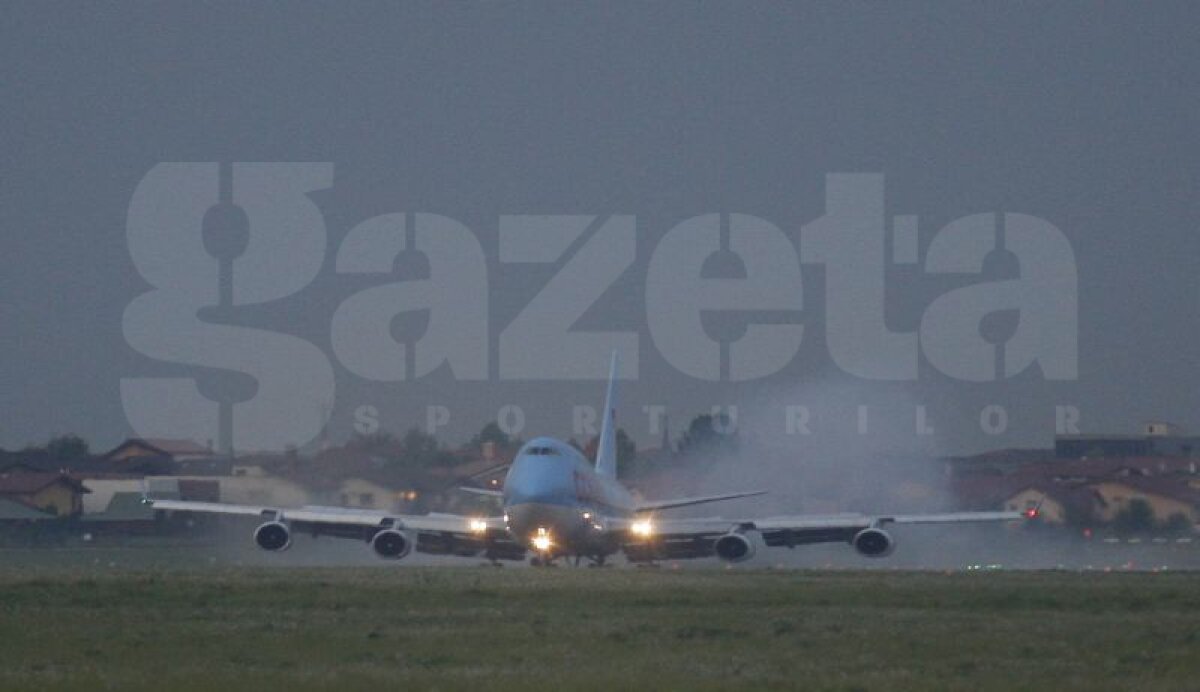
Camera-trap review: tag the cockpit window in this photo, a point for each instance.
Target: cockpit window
(542, 451)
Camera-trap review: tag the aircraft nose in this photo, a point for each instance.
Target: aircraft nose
(538, 479)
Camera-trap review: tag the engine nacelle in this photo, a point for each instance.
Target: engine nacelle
(391, 544)
(274, 536)
(734, 547)
(874, 543)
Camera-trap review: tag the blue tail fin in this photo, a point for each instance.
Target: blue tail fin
(606, 449)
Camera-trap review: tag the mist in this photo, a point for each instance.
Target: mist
(887, 466)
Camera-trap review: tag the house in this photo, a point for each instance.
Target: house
(1057, 504)
(157, 457)
(271, 491)
(1166, 498)
(362, 493)
(104, 488)
(56, 493)
(125, 513)
(175, 450)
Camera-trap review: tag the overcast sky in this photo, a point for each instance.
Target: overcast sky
(1083, 115)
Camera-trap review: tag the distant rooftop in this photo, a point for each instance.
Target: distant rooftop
(160, 446)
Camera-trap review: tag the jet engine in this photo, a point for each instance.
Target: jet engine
(734, 547)
(274, 536)
(391, 544)
(874, 542)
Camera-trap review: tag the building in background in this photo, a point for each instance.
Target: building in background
(57, 494)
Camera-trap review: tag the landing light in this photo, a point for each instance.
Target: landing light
(541, 542)
(478, 525)
(642, 528)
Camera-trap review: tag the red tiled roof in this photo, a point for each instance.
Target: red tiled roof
(178, 446)
(168, 447)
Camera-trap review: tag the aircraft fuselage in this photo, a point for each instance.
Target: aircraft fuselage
(556, 503)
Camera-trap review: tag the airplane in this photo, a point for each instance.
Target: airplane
(557, 503)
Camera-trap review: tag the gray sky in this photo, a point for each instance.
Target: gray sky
(1083, 115)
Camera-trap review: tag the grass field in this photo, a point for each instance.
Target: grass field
(486, 628)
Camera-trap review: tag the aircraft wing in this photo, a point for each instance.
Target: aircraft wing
(486, 492)
(433, 533)
(687, 501)
(672, 539)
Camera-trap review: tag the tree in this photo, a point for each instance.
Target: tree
(67, 448)
(707, 434)
(491, 433)
(626, 454)
(1136, 517)
(381, 443)
(1078, 515)
(420, 449)
(1178, 523)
